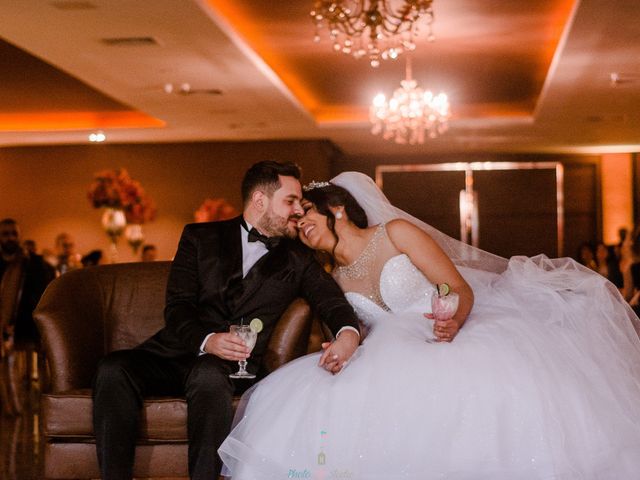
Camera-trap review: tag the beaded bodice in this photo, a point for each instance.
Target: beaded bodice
(382, 279)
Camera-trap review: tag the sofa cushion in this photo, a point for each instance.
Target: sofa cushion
(69, 414)
(65, 460)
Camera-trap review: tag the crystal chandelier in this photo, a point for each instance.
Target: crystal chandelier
(380, 29)
(410, 114)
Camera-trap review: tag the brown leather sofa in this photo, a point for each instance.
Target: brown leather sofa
(87, 313)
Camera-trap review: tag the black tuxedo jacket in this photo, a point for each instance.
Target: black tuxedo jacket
(206, 292)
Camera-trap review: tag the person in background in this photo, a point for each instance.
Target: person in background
(608, 264)
(93, 258)
(30, 247)
(23, 278)
(586, 255)
(149, 253)
(623, 235)
(66, 256)
(630, 267)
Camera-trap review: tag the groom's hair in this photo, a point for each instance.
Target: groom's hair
(264, 175)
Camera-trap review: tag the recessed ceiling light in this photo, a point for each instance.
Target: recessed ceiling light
(186, 89)
(97, 137)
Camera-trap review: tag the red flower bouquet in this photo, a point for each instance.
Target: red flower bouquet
(214, 209)
(116, 189)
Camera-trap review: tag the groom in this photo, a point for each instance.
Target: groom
(223, 272)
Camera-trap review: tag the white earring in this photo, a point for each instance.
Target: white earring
(338, 214)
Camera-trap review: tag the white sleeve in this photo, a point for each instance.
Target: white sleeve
(204, 342)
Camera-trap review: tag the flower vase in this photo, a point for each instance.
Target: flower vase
(134, 235)
(113, 222)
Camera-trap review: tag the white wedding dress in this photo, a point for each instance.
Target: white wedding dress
(542, 382)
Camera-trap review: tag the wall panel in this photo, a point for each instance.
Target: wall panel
(45, 188)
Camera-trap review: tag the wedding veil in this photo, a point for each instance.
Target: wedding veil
(380, 210)
(560, 275)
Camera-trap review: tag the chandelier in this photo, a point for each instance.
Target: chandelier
(410, 114)
(372, 27)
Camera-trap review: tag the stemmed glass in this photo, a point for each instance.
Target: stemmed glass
(443, 307)
(249, 337)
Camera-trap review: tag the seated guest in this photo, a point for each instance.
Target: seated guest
(93, 258)
(67, 258)
(149, 253)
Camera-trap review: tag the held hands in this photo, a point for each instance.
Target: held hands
(444, 330)
(337, 353)
(227, 346)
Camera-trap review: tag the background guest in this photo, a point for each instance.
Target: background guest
(67, 258)
(608, 264)
(586, 255)
(630, 267)
(623, 233)
(30, 247)
(149, 253)
(23, 278)
(93, 258)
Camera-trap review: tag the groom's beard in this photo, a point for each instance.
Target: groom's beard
(273, 225)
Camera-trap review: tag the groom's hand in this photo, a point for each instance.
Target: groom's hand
(337, 353)
(227, 346)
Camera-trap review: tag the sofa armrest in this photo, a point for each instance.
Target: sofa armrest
(290, 337)
(69, 317)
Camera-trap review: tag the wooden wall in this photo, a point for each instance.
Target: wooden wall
(517, 208)
(45, 188)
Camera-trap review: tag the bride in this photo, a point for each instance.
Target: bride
(541, 382)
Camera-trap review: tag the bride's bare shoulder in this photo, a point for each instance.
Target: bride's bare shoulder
(402, 227)
(401, 231)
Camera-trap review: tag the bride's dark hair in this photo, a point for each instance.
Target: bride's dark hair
(335, 196)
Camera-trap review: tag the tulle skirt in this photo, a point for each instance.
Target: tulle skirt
(542, 382)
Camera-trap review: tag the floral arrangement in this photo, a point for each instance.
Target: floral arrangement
(214, 209)
(116, 189)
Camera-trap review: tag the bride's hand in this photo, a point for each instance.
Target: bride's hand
(337, 353)
(444, 330)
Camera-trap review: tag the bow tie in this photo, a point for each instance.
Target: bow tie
(270, 242)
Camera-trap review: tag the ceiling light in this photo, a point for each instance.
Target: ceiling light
(379, 29)
(187, 89)
(97, 137)
(410, 114)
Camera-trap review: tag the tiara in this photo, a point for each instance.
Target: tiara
(314, 184)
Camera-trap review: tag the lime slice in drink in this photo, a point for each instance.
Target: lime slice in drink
(443, 289)
(256, 325)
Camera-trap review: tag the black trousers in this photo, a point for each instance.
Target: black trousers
(125, 377)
